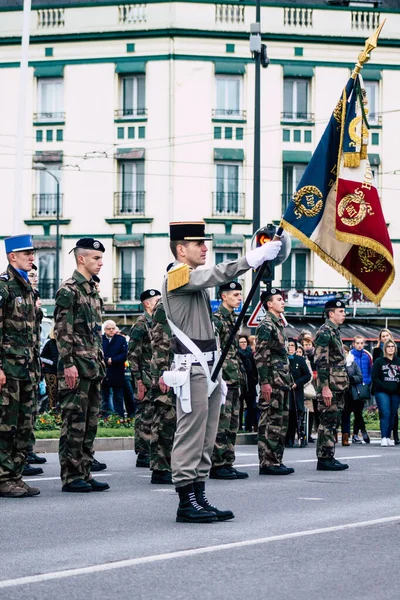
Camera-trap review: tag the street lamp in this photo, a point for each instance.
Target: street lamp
(42, 167)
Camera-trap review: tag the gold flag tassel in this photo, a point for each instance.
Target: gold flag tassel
(178, 277)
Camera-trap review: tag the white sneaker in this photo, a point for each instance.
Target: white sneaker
(384, 442)
(390, 442)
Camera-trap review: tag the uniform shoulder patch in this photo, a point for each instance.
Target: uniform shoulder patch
(4, 277)
(65, 297)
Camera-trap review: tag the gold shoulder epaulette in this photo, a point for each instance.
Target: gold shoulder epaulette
(178, 277)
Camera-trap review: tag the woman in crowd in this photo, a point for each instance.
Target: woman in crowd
(355, 377)
(49, 357)
(383, 336)
(301, 376)
(309, 349)
(249, 391)
(386, 381)
(364, 362)
(309, 394)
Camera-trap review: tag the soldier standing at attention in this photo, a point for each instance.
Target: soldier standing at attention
(223, 455)
(81, 367)
(332, 383)
(187, 307)
(17, 365)
(163, 399)
(139, 357)
(275, 380)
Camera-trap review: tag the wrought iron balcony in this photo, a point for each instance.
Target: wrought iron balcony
(229, 113)
(298, 116)
(45, 205)
(127, 289)
(49, 116)
(230, 204)
(47, 288)
(130, 112)
(128, 203)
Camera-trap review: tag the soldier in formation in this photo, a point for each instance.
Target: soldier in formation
(187, 307)
(18, 369)
(275, 380)
(332, 383)
(139, 358)
(223, 455)
(77, 328)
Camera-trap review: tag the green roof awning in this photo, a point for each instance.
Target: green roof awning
(374, 160)
(130, 66)
(233, 240)
(298, 70)
(130, 154)
(229, 154)
(230, 68)
(48, 156)
(371, 74)
(49, 71)
(125, 240)
(296, 156)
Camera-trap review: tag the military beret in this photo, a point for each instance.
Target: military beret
(332, 304)
(89, 244)
(149, 294)
(269, 292)
(230, 287)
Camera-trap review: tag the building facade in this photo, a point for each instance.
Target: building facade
(144, 113)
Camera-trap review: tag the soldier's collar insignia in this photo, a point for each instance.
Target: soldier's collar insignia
(5, 276)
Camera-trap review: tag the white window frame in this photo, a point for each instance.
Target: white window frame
(226, 180)
(227, 110)
(137, 179)
(293, 115)
(292, 258)
(136, 110)
(47, 185)
(372, 90)
(56, 111)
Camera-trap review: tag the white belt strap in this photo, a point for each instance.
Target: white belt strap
(194, 349)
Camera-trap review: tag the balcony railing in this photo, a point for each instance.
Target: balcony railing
(49, 116)
(47, 288)
(132, 13)
(298, 116)
(130, 112)
(298, 17)
(129, 203)
(50, 17)
(45, 205)
(228, 204)
(128, 289)
(363, 20)
(229, 13)
(229, 113)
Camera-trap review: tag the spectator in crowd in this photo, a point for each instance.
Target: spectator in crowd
(301, 376)
(306, 340)
(386, 381)
(115, 351)
(49, 357)
(249, 391)
(383, 336)
(355, 377)
(364, 361)
(309, 394)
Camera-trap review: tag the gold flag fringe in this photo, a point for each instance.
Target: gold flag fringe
(364, 152)
(178, 277)
(351, 159)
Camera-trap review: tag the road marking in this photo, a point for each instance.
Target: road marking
(144, 560)
(313, 460)
(310, 498)
(55, 478)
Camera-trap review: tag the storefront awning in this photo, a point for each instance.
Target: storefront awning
(223, 240)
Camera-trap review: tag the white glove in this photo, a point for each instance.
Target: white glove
(267, 251)
(224, 392)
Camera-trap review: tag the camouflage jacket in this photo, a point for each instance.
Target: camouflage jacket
(139, 350)
(77, 327)
(38, 328)
(18, 332)
(224, 322)
(271, 353)
(330, 360)
(162, 355)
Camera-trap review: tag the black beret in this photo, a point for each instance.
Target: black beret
(230, 287)
(89, 244)
(334, 304)
(149, 294)
(269, 292)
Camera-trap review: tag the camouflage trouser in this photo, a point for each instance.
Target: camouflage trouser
(224, 447)
(32, 439)
(272, 428)
(16, 402)
(80, 408)
(143, 420)
(162, 431)
(329, 421)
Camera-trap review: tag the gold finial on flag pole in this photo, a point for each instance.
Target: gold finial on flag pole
(370, 44)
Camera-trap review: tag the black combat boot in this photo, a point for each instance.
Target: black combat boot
(33, 459)
(97, 466)
(189, 511)
(201, 498)
(143, 461)
(330, 464)
(29, 471)
(161, 477)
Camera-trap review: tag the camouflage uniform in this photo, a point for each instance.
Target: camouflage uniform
(18, 338)
(37, 369)
(77, 329)
(164, 419)
(224, 448)
(330, 364)
(273, 368)
(139, 357)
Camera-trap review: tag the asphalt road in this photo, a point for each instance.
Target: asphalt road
(312, 535)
